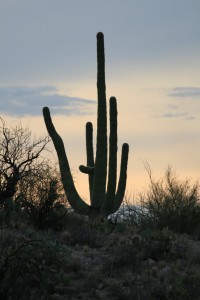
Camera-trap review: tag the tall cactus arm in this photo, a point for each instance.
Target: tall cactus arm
(90, 157)
(73, 197)
(100, 170)
(122, 179)
(112, 170)
(89, 144)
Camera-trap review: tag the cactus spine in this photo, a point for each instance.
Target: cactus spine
(104, 200)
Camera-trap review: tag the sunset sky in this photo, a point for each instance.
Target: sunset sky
(152, 48)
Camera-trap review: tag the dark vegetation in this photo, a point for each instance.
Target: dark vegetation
(149, 249)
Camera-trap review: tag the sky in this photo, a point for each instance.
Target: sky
(152, 50)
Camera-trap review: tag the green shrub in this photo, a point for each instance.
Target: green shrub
(171, 203)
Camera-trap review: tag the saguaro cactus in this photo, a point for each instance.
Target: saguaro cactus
(104, 197)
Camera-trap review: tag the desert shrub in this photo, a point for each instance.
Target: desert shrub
(11, 214)
(6, 209)
(171, 203)
(57, 217)
(42, 199)
(157, 243)
(126, 291)
(124, 256)
(24, 265)
(84, 234)
(186, 286)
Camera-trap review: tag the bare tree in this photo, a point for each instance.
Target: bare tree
(18, 151)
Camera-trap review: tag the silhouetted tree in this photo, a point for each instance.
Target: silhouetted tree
(18, 151)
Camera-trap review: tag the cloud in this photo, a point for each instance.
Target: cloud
(173, 112)
(170, 115)
(26, 100)
(173, 107)
(185, 92)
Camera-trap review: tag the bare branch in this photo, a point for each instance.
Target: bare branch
(18, 151)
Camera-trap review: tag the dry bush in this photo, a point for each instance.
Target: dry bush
(171, 203)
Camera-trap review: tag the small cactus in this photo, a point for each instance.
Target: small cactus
(105, 200)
